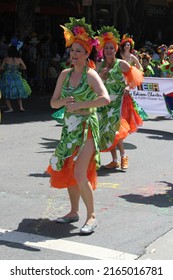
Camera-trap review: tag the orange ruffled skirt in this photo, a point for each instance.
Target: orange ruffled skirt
(130, 121)
(129, 113)
(122, 133)
(65, 177)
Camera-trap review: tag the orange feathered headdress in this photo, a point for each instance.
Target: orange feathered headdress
(77, 30)
(127, 38)
(108, 34)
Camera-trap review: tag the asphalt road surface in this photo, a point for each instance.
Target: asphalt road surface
(134, 208)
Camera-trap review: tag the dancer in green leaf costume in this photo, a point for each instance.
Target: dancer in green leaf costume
(120, 117)
(80, 91)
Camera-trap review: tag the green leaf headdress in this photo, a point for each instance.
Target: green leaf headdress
(77, 30)
(108, 34)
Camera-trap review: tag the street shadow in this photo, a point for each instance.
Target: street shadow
(43, 230)
(37, 108)
(39, 175)
(16, 245)
(105, 172)
(157, 134)
(158, 118)
(52, 143)
(101, 172)
(158, 200)
(129, 146)
(49, 144)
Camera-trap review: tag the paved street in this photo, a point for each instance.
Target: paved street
(134, 208)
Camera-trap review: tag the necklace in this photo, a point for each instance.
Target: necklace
(127, 58)
(71, 88)
(109, 65)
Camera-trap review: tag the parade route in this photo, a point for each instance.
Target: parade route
(38, 241)
(134, 207)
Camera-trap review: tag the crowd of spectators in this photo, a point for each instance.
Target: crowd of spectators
(44, 63)
(40, 54)
(154, 58)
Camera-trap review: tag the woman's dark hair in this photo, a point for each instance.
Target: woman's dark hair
(122, 47)
(13, 52)
(93, 54)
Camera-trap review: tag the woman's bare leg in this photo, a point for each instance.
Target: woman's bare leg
(80, 173)
(121, 147)
(20, 104)
(8, 103)
(124, 157)
(114, 154)
(74, 196)
(73, 215)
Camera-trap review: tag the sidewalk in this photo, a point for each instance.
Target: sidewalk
(160, 249)
(37, 108)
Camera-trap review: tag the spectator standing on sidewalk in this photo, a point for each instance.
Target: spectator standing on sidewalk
(147, 67)
(47, 50)
(161, 50)
(12, 85)
(52, 75)
(32, 56)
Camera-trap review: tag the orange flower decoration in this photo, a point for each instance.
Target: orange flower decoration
(77, 30)
(107, 34)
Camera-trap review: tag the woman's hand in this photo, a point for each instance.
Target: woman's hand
(73, 106)
(68, 100)
(104, 73)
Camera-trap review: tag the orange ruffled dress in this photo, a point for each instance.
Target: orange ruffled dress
(120, 118)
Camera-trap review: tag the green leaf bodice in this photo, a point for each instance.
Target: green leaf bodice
(109, 116)
(76, 126)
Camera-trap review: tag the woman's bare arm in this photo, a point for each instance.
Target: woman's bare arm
(56, 101)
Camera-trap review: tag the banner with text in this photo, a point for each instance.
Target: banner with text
(150, 95)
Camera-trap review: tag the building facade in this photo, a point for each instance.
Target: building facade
(145, 19)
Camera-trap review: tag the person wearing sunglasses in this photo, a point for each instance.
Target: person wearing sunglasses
(127, 49)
